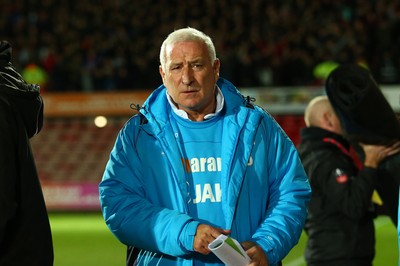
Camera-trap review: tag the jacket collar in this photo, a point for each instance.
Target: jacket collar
(183, 114)
(156, 108)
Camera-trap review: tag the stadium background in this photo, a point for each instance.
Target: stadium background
(94, 59)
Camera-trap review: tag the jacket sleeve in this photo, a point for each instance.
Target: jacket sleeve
(130, 216)
(289, 195)
(347, 191)
(8, 169)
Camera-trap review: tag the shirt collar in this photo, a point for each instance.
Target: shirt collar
(183, 114)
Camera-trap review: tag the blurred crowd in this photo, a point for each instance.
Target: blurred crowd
(90, 45)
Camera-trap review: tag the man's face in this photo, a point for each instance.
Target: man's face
(190, 77)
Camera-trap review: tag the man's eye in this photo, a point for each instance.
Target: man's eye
(196, 66)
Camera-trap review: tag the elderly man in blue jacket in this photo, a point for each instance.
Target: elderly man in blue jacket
(200, 160)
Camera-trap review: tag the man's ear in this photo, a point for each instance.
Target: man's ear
(162, 73)
(216, 67)
(328, 120)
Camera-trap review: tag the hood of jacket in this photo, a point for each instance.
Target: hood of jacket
(23, 96)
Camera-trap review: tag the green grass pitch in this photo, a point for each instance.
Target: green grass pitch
(82, 239)
(386, 251)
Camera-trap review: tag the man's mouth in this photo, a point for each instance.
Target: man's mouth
(190, 90)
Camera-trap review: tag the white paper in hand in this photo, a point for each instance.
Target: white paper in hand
(229, 251)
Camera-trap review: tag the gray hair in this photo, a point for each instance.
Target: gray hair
(186, 35)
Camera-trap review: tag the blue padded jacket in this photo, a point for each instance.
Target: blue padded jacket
(144, 194)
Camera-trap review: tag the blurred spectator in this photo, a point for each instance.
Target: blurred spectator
(35, 74)
(106, 45)
(322, 70)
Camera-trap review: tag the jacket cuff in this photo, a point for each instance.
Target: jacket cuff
(187, 235)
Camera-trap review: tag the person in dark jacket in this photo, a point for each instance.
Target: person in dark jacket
(25, 234)
(367, 117)
(339, 224)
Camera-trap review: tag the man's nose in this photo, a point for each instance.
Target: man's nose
(187, 76)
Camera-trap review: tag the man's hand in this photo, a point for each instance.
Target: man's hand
(205, 234)
(374, 154)
(256, 254)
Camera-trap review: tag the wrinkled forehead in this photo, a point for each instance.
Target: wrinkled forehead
(186, 51)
